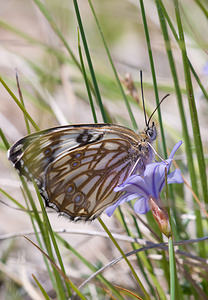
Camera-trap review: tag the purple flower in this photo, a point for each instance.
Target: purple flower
(148, 186)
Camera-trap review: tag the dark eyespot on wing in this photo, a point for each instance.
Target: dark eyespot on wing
(87, 138)
(77, 152)
(84, 137)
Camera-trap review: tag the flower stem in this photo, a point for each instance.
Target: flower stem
(172, 268)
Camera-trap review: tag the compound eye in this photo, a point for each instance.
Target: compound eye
(152, 132)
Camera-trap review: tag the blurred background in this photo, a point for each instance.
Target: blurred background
(55, 94)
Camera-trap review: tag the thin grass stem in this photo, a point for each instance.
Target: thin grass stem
(86, 81)
(192, 107)
(185, 132)
(125, 258)
(92, 73)
(113, 67)
(147, 36)
(19, 104)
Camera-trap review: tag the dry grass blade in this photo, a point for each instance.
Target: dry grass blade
(55, 266)
(22, 280)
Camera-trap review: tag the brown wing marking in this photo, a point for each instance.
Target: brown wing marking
(78, 166)
(81, 183)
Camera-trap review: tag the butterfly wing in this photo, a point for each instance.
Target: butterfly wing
(77, 167)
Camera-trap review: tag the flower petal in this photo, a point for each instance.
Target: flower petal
(121, 186)
(175, 177)
(124, 198)
(175, 148)
(141, 206)
(148, 185)
(154, 177)
(158, 175)
(134, 184)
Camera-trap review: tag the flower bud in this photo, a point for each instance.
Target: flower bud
(161, 216)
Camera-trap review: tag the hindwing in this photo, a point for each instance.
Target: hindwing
(77, 167)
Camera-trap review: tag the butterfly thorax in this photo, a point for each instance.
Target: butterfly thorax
(145, 153)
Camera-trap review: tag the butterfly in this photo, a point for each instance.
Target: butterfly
(77, 167)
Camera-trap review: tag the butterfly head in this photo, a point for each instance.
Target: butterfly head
(151, 132)
(146, 154)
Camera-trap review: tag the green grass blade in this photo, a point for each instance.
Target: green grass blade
(149, 266)
(41, 288)
(4, 139)
(22, 101)
(113, 68)
(153, 75)
(92, 73)
(53, 25)
(90, 266)
(51, 275)
(141, 259)
(49, 229)
(177, 40)
(19, 104)
(125, 258)
(12, 199)
(202, 7)
(44, 233)
(192, 107)
(86, 82)
(20, 33)
(35, 217)
(172, 269)
(81, 296)
(185, 132)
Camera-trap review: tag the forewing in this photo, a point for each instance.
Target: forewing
(77, 167)
(32, 154)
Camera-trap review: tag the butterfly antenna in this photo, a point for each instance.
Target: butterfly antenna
(145, 115)
(156, 109)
